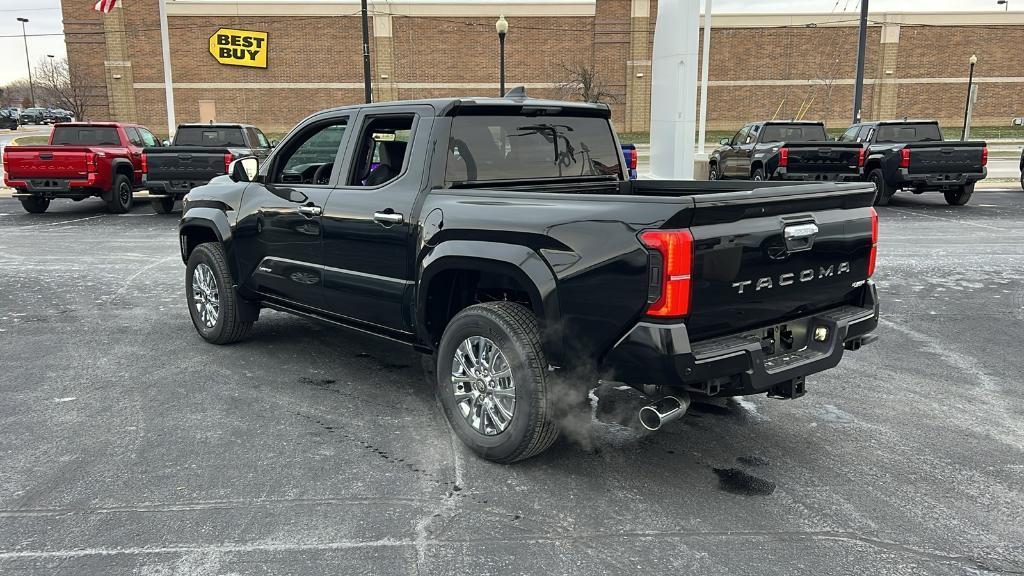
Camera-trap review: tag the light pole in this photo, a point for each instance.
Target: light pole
(24, 37)
(970, 84)
(502, 27)
(1005, 4)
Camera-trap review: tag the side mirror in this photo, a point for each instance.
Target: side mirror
(244, 169)
(273, 143)
(165, 143)
(724, 142)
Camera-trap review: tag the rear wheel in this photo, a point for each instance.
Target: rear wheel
(212, 302)
(162, 205)
(492, 380)
(120, 195)
(960, 196)
(883, 192)
(35, 204)
(758, 174)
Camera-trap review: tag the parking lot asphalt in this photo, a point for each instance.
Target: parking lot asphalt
(130, 446)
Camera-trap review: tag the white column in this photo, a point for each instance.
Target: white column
(674, 89)
(168, 83)
(705, 50)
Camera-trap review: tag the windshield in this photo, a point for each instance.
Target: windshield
(794, 133)
(923, 132)
(86, 136)
(212, 136)
(484, 148)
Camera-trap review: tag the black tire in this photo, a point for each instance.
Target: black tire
(1022, 179)
(758, 174)
(227, 327)
(960, 196)
(162, 205)
(883, 192)
(514, 330)
(35, 204)
(713, 172)
(120, 195)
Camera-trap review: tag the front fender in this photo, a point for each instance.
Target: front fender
(197, 219)
(519, 262)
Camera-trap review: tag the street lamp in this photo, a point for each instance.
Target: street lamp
(502, 27)
(1005, 4)
(24, 37)
(967, 106)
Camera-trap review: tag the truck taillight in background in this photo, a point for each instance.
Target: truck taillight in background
(860, 158)
(905, 158)
(632, 159)
(984, 156)
(874, 243)
(91, 163)
(668, 290)
(783, 157)
(145, 165)
(228, 158)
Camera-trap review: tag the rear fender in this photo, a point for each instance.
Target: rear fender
(118, 166)
(519, 262)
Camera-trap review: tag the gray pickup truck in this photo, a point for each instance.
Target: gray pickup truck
(199, 153)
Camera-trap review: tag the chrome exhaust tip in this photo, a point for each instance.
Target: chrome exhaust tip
(662, 411)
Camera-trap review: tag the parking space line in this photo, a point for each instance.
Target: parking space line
(947, 219)
(62, 222)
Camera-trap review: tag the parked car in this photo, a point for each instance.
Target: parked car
(630, 154)
(504, 238)
(56, 115)
(199, 152)
(83, 159)
(8, 120)
(911, 155)
(33, 116)
(785, 151)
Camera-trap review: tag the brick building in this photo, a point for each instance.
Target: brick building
(762, 66)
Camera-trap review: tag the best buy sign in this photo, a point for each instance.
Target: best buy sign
(239, 47)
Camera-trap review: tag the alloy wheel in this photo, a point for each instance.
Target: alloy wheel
(205, 295)
(484, 389)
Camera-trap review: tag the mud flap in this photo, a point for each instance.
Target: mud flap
(248, 310)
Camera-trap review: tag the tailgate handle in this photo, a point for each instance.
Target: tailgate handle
(45, 156)
(184, 156)
(800, 237)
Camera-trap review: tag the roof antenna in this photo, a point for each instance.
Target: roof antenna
(516, 92)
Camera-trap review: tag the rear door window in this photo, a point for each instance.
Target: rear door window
(910, 132)
(210, 136)
(85, 136)
(495, 148)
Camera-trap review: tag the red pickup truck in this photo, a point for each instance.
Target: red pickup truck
(83, 159)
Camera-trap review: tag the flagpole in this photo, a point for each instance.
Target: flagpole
(168, 84)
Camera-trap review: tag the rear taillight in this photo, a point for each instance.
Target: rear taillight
(860, 158)
(145, 165)
(668, 291)
(632, 159)
(984, 156)
(874, 243)
(905, 158)
(227, 162)
(90, 162)
(783, 157)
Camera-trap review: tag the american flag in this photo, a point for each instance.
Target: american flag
(104, 6)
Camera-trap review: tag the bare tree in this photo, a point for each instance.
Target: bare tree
(63, 86)
(583, 84)
(15, 93)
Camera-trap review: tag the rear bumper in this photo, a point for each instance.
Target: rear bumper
(176, 190)
(785, 174)
(54, 187)
(737, 364)
(937, 180)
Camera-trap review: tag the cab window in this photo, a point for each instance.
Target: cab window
(740, 136)
(148, 139)
(382, 149)
(850, 135)
(308, 158)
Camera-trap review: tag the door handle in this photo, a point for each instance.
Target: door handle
(388, 218)
(310, 210)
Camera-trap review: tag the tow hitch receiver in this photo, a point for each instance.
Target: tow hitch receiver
(788, 390)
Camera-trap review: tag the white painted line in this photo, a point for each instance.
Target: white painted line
(63, 222)
(947, 219)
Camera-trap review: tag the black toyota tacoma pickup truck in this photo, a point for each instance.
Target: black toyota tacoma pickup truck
(503, 238)
(910, 154)
(785, 151)
(199, 152)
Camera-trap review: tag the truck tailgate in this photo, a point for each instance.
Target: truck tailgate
(947, 157)
(59, 162)
(824, 157)
(184, 163)
(773, 254)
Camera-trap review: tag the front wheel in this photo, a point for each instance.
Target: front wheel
(713, 172)
(960, 196)
(212, 302)
(120, 195)
(492, 380)
(35, 204)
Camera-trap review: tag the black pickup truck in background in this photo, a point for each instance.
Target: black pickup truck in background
(199, 152)
(785, 151)
(911, 155)
(503, 238)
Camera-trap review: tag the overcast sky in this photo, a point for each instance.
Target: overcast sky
(45, 18)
